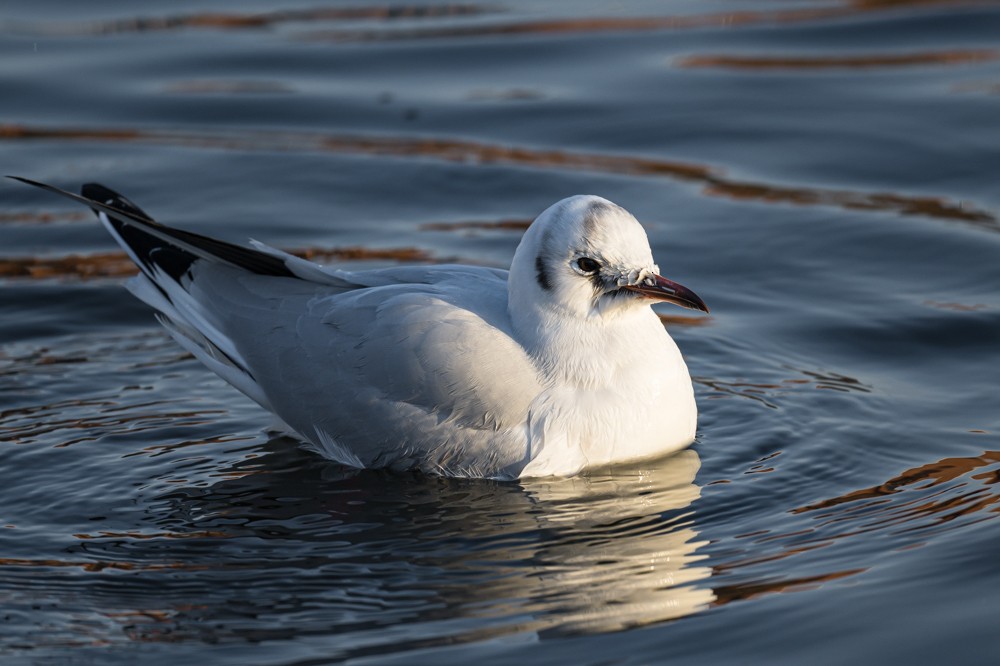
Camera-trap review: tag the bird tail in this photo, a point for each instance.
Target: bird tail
(167, 258)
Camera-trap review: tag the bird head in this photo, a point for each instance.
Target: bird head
(587, 256)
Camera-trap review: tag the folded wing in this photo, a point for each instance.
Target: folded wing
(400, 367)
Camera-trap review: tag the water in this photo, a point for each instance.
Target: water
(824, 174)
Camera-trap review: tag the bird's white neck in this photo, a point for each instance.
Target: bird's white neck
(595, 351)
(616, 388)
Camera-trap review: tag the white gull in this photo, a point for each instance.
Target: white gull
(554, 367)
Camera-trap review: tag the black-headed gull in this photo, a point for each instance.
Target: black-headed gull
(558, 365)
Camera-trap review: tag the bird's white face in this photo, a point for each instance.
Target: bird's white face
(588, 256)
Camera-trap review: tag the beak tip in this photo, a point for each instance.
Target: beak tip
(662, 289)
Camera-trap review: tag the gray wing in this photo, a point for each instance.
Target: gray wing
(402, 367)
(405, 374)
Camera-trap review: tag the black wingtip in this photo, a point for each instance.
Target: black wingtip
(146, 236)
(108, 197)
(27, 181)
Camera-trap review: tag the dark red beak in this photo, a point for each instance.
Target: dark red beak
(661, 289)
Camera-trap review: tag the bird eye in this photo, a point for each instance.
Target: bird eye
(587, 265)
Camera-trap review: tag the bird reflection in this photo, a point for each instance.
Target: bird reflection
(439, 560)
(623, 547)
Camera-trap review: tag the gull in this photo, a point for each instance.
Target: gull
(555, 366)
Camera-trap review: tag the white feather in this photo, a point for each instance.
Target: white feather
(454, 370)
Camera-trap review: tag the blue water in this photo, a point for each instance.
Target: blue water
(824, 174)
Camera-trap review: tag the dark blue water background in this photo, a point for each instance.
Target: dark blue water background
(825, 174)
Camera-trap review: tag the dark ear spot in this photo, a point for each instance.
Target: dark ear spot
(541, 274)
(595, 211)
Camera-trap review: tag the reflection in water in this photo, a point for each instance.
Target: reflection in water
(42, 217)
(902, 513)
(476, 225)
(471, 153)
(596, 24)
(232, 541)
(102, 424)
(252, 21)
(767, 393)
(618, 563)
(841, 62)
(117, 264)
(934, 497)
(388, 15)
(289, 545)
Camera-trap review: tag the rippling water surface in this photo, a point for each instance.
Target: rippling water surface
(826, 174)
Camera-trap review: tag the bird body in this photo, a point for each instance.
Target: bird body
(556, 366)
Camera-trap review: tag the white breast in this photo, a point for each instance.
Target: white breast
(614, 395)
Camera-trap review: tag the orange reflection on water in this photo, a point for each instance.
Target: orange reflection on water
(905, 205)
(475, 225)
(42, 217)
(929, 476)
(99, 565)
(117, 264)
(742, 592)
(105, 424)
(956, 57)
(919, 498)
(388, 13)
(156, 450)
(107, 264)
(599, 24)
(212, 534)
(254, 21)
(472, 153)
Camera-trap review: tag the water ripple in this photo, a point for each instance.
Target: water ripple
(117, 264)
(594, 554)
(881, 60)
(470, 153)
(253, 21)
(732, 19)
